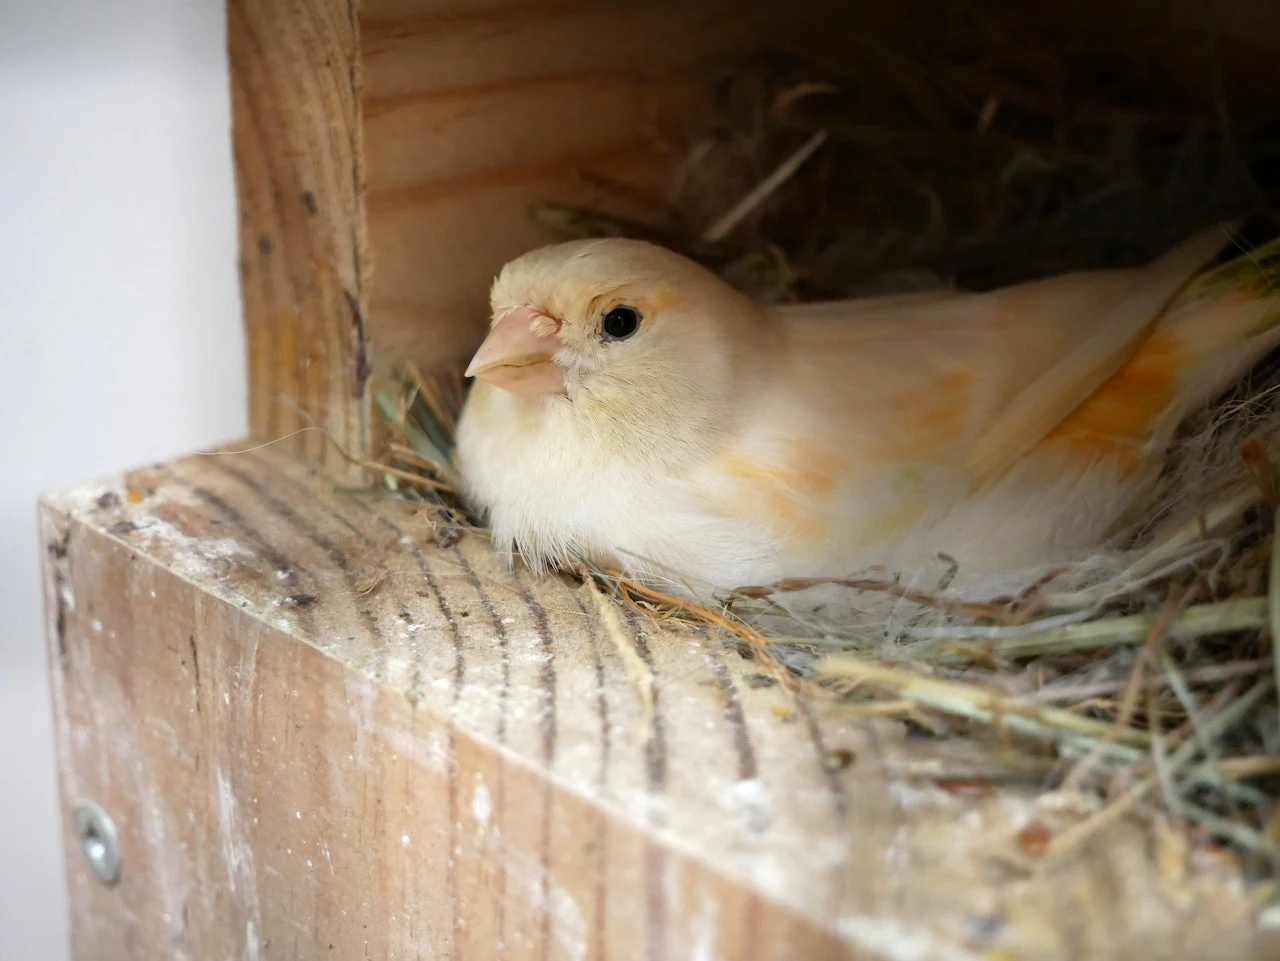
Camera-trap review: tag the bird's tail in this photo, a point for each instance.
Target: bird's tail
(1223, 322)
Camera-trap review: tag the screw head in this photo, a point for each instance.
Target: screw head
(98, 841)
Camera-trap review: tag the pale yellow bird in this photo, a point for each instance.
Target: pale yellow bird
(633, 409)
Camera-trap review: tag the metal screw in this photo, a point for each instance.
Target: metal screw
(98, 841)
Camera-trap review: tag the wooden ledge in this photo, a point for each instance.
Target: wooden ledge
(323, 732)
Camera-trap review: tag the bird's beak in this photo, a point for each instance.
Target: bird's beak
(516, 358)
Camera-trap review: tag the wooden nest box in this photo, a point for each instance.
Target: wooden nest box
(308, 729)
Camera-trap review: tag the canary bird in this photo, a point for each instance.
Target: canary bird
(632, 409)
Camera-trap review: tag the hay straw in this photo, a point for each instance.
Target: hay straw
(973, 703)
(1209, 673)
(1273, 599)
(1128, 699)
(1243, 768)
(761, 191)
(637, 669)
(1200, 620)
(1232, 714)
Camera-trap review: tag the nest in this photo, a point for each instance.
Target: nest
(1146, 676)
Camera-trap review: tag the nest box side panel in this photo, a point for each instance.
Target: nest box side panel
(314, 725)
(295, 77)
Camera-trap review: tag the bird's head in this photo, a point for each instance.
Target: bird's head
(617, 322)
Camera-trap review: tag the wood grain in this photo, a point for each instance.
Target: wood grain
(295, 84)
(324, 735)
(474, 112)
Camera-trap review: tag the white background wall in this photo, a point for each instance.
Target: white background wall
(120, 340)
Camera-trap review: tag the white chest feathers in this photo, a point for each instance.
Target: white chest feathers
(556, 493)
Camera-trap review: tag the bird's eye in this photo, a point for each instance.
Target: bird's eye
(620, 323)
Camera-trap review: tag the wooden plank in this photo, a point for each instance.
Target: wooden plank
(326, 730)
(295, 77)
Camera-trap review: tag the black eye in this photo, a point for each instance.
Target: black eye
(620, 323)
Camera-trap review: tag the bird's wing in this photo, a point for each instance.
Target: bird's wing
(971, 382)
(1098, 355)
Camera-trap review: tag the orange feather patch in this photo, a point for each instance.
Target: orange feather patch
(1123, 412)
(928, 418)
(787, 498)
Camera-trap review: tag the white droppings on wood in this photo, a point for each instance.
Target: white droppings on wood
(568, 927)
(439, 759)
(749, 800)
(362, 700)
(121, 756)
(429, 751)
(57, 585)
(897, 853)
(889, 939)
(398, 669)
(237, 856)
(84, 500)
(528, 874)
(653, 808)
(481, 806)
(910, 796)
(190, 556)
(706, 927)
